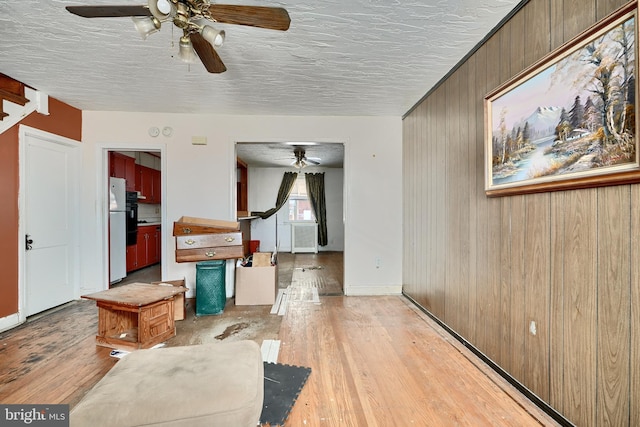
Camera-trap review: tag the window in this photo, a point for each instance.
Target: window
(299, 205)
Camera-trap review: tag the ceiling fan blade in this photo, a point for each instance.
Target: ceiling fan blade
(313, 162)
(207, 54)
(273, 18)
(108, 11)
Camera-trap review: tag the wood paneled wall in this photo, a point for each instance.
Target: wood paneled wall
(546, 285)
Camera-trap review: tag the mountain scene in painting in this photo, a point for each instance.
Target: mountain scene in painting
(574, 116)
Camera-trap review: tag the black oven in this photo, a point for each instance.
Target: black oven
(132, 217)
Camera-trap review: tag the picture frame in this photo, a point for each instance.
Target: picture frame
(569, 121)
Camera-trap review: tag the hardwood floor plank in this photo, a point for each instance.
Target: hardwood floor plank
(376, 361)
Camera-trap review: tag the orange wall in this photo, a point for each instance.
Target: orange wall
(62, 120)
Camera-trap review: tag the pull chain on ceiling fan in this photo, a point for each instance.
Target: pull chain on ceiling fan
(197, 41)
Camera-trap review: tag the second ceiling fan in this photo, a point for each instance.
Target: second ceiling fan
(197, 41)
(301, 159)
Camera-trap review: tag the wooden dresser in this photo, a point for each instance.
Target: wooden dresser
(200, 239)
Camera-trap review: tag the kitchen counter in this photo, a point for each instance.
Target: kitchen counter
(142, 224)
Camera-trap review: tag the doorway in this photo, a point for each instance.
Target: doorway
(260, 169)
(141, 167)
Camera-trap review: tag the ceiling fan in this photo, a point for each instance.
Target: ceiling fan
(197, 39)
(301, 159)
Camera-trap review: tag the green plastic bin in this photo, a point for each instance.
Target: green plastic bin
(211, 293)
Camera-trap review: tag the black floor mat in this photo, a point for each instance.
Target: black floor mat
(282, 385)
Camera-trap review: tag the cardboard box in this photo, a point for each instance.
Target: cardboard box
(261, 259)
(256, 285)
(180, 304)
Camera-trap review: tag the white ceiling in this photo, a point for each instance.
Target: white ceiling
(338, 58)
(281, 155)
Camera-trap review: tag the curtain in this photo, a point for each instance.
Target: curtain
(286, 185)
(315, 191)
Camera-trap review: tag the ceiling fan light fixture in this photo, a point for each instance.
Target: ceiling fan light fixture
(213, 36)
(146, 25)
(186, 52)
(162, 9)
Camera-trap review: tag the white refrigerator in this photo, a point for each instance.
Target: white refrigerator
(117, 230)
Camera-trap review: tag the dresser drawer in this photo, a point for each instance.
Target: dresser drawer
(206, 254)
(208, 240)
(190, 225)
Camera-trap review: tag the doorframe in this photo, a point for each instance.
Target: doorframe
(23, 133)
(102, 160)
(346, 288)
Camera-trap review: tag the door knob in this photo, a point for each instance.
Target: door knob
(28, 242)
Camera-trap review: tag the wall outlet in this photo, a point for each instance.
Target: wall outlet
(532, 327)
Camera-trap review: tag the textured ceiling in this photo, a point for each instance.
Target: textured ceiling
(339, 57)
(281, 155)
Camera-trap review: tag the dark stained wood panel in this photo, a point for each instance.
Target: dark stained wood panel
(536, 298)
(432, 192)
(614, 305)
(556, 315)
(579, 278)
(517, 44)
(440, 197)
(478, 331)
(504, 296)
(462, 201)
(634, 342)
(606, 7)
(494, 224)
(536, 31)
(408, 260)
(454, 259)
(556, 31)
(474, 147)
(423, 159)
(531, 281)
(517, 329)
(577, 16)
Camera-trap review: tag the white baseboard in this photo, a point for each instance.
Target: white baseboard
(9, 322)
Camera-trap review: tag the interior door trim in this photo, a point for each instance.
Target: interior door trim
(25, 132)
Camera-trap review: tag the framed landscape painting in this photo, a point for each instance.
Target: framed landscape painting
(570, 120)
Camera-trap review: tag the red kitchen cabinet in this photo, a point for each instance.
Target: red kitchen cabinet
(143, 238)
(153, 255)
(148, 184)
(146, 251)
(148, 245)
(157, 186)
(122, 166)
(132, 258)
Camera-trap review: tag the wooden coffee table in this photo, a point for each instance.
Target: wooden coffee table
(135, 316)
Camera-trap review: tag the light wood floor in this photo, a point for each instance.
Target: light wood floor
(376, 361)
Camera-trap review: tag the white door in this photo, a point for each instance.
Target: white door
(49, 219)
